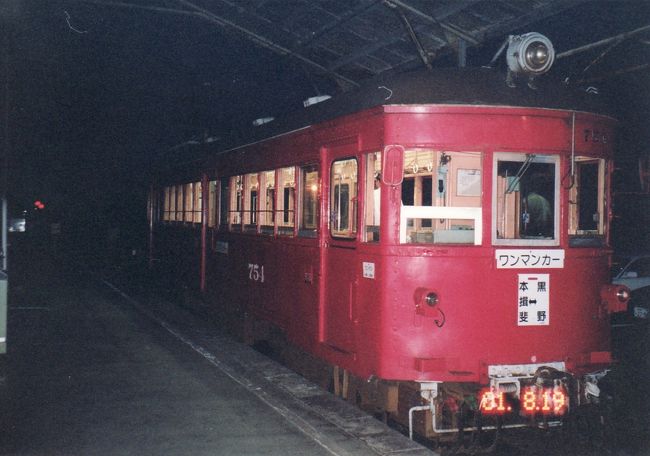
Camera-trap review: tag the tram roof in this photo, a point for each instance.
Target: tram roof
(453, 86)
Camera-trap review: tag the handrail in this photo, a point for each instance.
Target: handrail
(442, 212)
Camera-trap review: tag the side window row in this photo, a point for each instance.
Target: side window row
(182, 203)
(269, 202)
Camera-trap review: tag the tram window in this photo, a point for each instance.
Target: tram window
(188, 203)
(235, 212)
(343, 198)
(373, 197)
(309, 195)
(172, 203)
(179, 203)
(267, 204)
(587, 202)
(166, 204)
(408, 191)
(213, 203)
(224, 201)
(525, 199)
(286, 201)
(251, 199)
(342, 202)
(197, 205)
(427, 198)
(441, 197)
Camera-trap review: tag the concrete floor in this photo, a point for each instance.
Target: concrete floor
(90, 373)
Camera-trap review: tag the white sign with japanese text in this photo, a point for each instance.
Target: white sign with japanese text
(529, 259)
(368, 270)
(533, 300)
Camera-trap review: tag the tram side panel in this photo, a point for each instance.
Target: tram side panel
(280, 285)
(257, 278)
(268, 279)
(225, 278)
(297, 289)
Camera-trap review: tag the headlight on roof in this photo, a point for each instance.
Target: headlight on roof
(531, 54)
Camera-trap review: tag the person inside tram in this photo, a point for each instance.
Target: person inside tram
(538, 214)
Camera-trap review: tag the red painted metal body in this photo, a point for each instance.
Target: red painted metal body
(314, 288)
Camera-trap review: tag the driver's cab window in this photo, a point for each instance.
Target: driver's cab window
(586, 183)
(525, 199)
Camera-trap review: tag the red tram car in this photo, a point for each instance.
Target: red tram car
(442, 234)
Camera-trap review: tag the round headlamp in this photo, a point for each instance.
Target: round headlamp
(623, 294)
(531, 54)
(431, 299)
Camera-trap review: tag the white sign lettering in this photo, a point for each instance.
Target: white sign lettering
(256, 272)
(533, 300)
(529, 259)
(369, 270)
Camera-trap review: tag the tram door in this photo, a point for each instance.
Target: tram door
(339, 255)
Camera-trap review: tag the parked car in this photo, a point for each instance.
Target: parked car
(639, 303)
(634, 272)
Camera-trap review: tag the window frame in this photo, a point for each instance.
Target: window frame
(236, 202)
(251, 202)
(197, 203)
(287, 210)
(353, 202)
(553, 159)
(179, 203)
(188, 202)
(438, 213)
(372, 198)
(266, 177)
(213, 203)
(303, 192)
(224, 203)
(575, 233)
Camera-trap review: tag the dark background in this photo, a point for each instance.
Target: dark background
(95, 93)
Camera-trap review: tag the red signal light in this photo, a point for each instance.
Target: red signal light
(38, 204)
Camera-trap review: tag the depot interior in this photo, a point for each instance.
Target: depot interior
(96, 94)
(101, 92)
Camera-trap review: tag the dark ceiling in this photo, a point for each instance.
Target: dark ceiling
(103, 88)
